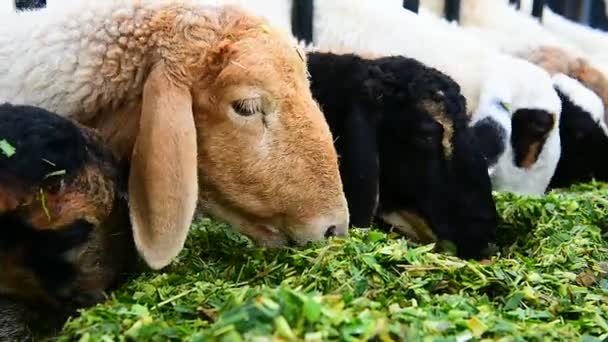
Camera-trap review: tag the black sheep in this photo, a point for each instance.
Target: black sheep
(65, 236)
(406, 153)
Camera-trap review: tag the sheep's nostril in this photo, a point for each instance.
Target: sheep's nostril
(331, 231)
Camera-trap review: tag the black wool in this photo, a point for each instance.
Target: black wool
(400, 129)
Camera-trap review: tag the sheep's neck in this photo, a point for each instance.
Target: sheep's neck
(119, 128)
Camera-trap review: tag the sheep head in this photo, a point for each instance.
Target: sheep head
(583, 133)
(228, 121)
(65, 230)
(519, 104)
(406, 155)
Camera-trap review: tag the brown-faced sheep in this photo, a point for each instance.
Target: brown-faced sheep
(209, 104)
(65, 236)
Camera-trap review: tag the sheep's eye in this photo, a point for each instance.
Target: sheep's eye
(247, 107)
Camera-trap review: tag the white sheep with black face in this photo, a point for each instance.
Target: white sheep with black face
(529, 133)
(584, 134)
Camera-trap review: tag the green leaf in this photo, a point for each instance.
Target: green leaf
(514, 301)
(312, 310)
(7, 149)
(43, 204)
(55, 174)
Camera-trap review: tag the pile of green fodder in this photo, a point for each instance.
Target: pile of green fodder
(548, 281)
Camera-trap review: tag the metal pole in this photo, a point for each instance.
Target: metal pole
(302, 12)
(411, 5)
(29, 4)
(516, 2)
(452, 10)
(537, 8)
(585, 13)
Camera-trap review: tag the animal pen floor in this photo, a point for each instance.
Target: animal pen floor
(549, 283)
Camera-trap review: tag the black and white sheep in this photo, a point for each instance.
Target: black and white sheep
(584, 135)
(406, 153)
(65, 235)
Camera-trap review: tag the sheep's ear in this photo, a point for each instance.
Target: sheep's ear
(163, 185)
(359, 166)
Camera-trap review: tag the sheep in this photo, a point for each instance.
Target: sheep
(497, 15)
(582, 123)
(245, 141)
(509, 30)
(487, 77)
(406, 153)
(590, 41)
(490, 81)
(65, 235)
(556, 60)
(584, 135)
(578, 117)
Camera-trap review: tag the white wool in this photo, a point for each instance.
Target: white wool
(590, 40)
(7, 6)
(593, 42)
(516, 31)
(582, 97)
(388, 29)
(499, 16)
(66, 45)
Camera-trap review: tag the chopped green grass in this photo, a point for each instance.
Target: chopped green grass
(7, 149)
(549, 282)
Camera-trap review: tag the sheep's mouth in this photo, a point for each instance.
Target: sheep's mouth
(413, 225)
(264, 232)
(269, 236)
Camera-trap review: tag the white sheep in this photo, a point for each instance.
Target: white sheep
(7, 7)
(592, 41)
(194, 96)
(522, 32)
(499, 16)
